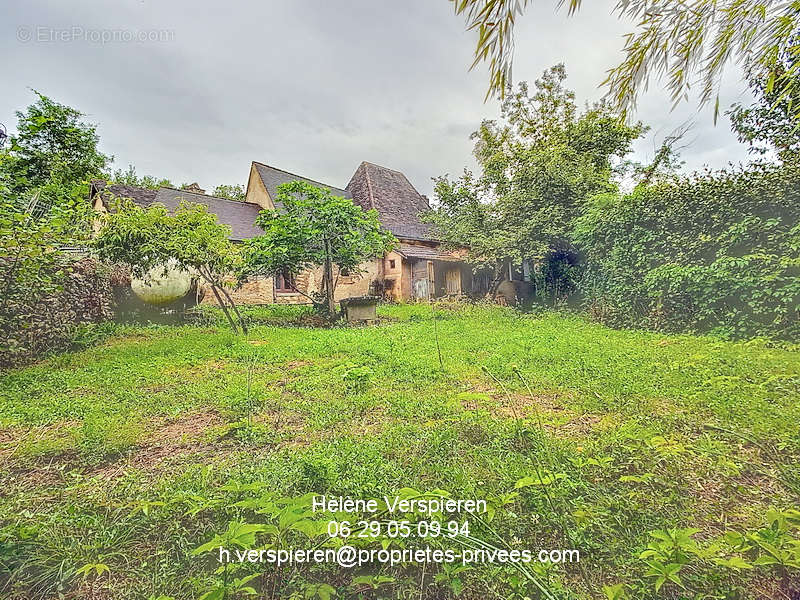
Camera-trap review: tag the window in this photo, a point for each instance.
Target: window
(391, 264)
(284, 283)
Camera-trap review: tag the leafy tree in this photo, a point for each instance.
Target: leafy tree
(52, 144)
(770, 123)
(666, 163)
(130, 177)
(314, 228)
(683, 41)
(43, 207)
(231, 192)
(538, 165)
(146, 239)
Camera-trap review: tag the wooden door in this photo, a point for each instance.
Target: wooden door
(420, 287)
(453, 281)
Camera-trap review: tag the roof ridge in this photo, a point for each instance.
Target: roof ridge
(366, 162)
(255, 162)
(166, 187)
(369, 186)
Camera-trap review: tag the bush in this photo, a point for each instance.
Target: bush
(40, 323)
(719, 252)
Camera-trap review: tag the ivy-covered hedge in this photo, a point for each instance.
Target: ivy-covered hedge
(719, 252)
(39, 324)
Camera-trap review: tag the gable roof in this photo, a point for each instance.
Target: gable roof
(239, 216)
(372, 187)
(392, 195)
(272, 177)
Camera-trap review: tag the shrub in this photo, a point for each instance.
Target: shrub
(719, 252)
(41, 323)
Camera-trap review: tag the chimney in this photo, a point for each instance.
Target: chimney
(193, 187)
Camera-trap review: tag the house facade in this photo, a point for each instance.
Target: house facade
(419, 268)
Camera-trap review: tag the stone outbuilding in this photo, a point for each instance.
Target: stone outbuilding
(419, 268)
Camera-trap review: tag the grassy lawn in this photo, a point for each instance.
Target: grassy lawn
(132, 453)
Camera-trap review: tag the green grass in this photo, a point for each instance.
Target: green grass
(132, 453)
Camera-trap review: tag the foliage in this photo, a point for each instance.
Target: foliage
(770, 123)
(683, 42)
(716, 252)
(43, 189)
(231, 192)
(36, 312)
(314, 228)
(130, 177)
(637, 460)
(538, 165)
(52, 145)
(150, 239)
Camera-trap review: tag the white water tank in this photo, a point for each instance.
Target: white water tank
(159, 287)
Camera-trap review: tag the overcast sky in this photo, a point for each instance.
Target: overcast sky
(310, 86)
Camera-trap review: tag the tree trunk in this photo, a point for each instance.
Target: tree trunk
(224, 308)
(500, 271)
(242, 323)
(329, 279)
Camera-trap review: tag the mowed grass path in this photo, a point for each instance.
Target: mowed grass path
(644, 432)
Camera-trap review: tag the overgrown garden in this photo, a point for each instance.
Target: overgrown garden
(707, 252)
(642, 408)
(668, 461)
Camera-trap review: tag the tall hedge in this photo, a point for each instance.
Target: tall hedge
(718, 252)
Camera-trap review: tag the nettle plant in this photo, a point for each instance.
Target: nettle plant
(146, 239)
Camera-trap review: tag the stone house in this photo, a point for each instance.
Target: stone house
(419, 268)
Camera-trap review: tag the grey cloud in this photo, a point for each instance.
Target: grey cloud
(311, 86)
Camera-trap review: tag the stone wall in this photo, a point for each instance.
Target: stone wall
(261, 290)
(49, 324)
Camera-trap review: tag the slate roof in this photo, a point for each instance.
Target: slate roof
(141, 196)
(392, 195)
(240, 216)
(371, 187)
(424, 252)
(272, 178)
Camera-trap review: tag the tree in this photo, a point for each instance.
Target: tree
(314, 228)
(52, 144)
(130, 177)
(539, 165)
(43, 190)
(231, 192)
(686, 42)
(666, 162)
(146, 239)
(770, 123)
